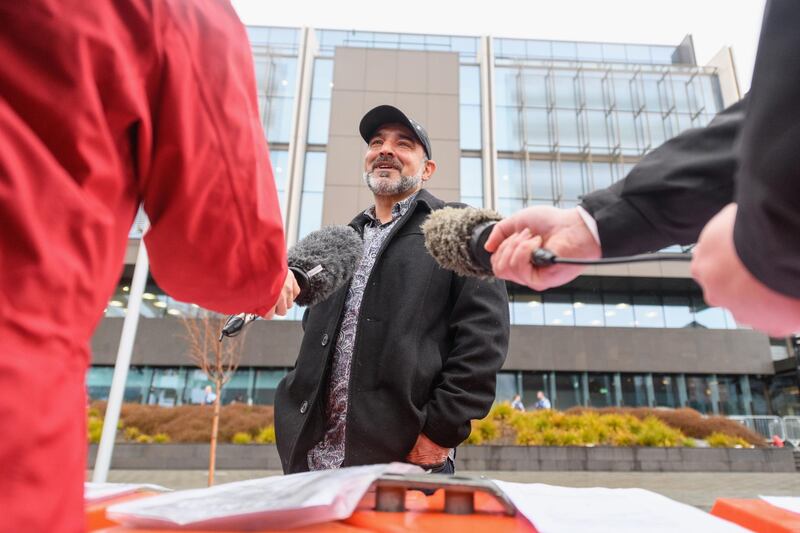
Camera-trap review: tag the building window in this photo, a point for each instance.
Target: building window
(731, 398)
(588, 308)
(558, 309)
(279, 160)
(526, 309)
(569, 392)
(634, 390)
(601, 390)
(532, 383)
(167, 387)
(196, 383)
(239, 388)
(471, 173)
(276, 82)
(665, 388)
(506, 386)
(265, 386)
(470, 107)
(313, 190)
(698, 390)
(618, 310)
(320, 110)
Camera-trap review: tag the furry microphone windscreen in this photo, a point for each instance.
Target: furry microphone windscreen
(451, 238)
(337, 250)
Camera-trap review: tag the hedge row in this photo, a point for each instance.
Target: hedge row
(245, 424)
(608, 427)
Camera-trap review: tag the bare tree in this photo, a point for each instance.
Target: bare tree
(218, 360)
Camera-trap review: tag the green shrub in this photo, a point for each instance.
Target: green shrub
(721, 440)
(501, 411)
(584, 428)
(653, 432)
(623, 437)
(488, 429)
(161, 438)
(688, 421)
(144, 439)
(266, 435)
(474, 438)
(132, 433)
(242, 438)
(94, 429)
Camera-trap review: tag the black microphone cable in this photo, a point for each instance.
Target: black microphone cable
(544, 257)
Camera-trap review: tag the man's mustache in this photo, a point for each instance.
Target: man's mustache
(387, 161)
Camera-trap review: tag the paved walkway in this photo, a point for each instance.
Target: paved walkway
(700, 489)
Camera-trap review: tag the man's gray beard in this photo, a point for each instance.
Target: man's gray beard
(385, 187)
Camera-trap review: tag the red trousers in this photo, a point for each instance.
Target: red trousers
(43, 442)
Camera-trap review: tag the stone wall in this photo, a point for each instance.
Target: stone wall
(478, 458)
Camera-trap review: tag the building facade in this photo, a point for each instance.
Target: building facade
(512, 123)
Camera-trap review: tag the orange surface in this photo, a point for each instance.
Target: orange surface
(757, 515)
(424, 514)
(96, 512)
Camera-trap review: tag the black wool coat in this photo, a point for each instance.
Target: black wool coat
(429, 344)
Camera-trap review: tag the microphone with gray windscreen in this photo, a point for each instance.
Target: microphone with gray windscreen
(322, 262)
(455, 237)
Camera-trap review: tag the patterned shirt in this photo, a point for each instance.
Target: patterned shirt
(329, 452)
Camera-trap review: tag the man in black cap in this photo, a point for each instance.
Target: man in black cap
(395, 366)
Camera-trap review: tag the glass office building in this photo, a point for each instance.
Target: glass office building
(538, 123)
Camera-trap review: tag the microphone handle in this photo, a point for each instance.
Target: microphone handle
(544, 257)
(233, 326)
(302, 279)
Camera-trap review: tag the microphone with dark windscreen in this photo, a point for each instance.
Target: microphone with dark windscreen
(455, 237)
(322, 262)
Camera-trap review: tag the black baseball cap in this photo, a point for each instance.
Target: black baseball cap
(386, 114)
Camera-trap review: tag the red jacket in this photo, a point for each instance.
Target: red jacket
(104, 105)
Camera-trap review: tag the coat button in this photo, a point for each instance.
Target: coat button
(303, 407)
(325, 339)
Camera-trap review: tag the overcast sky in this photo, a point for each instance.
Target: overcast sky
(712, 23)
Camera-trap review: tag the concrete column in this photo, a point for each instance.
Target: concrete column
(683, 397)
(297, 143)
(728, 77)
(651, 394)
(713, 385)
(488, 150)
(617, 389)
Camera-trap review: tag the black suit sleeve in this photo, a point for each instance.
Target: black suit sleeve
(479, 329)
(672, 192)
(767, 230)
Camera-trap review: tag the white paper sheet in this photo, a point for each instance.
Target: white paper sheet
(788, 503)
(276, 502)
(553, 509)
(97, 492)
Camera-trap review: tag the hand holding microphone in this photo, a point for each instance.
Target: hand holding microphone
(319, 265)
(561, 231)
(289, 293)
(478, 242)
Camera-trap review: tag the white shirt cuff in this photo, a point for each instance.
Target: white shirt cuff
(591, 224)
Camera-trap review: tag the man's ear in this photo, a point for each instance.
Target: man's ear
(430, 168)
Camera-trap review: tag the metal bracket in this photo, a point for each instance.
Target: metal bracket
(459, 492)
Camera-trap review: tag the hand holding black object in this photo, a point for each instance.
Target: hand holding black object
(476, 242)
(321, 263)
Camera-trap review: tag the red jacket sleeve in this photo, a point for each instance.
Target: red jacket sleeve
(216, 235)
